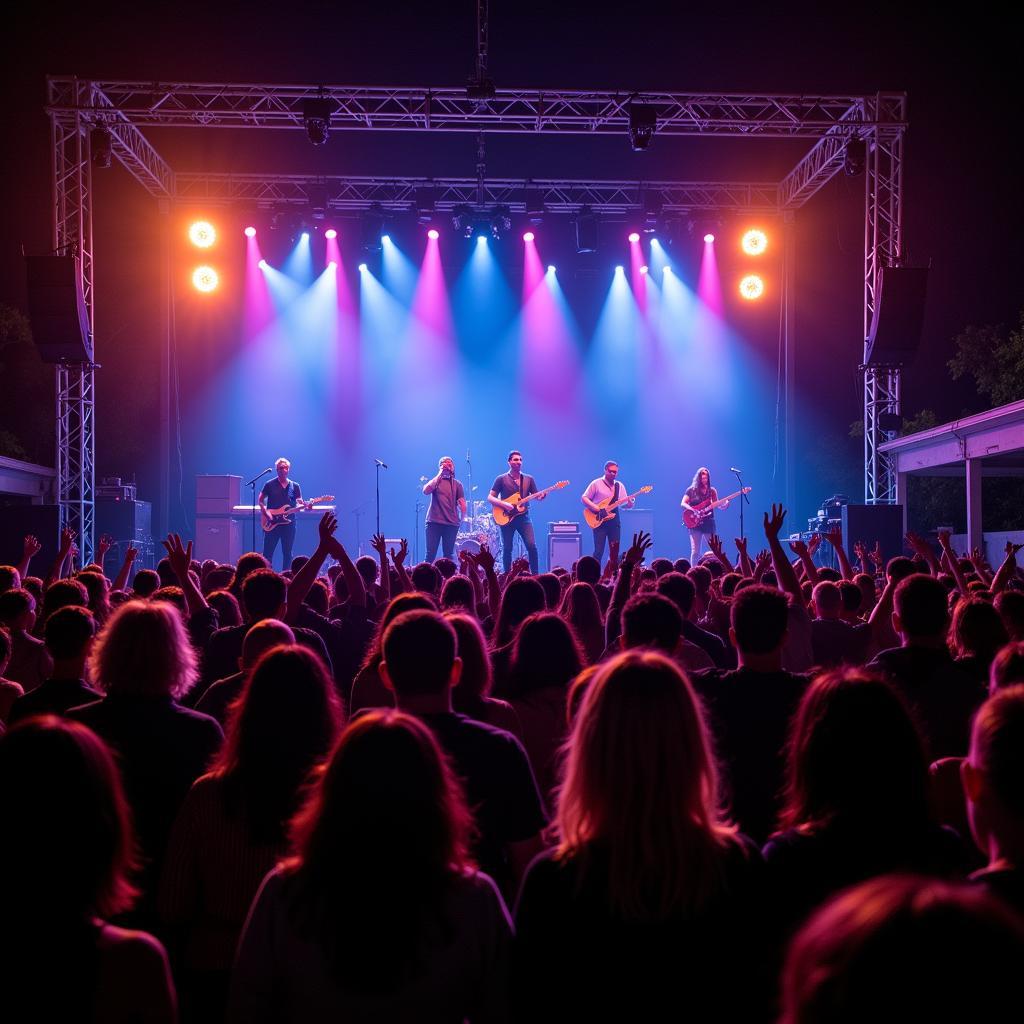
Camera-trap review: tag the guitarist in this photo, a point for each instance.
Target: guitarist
(699, 492)
(513, 482)
(610, 488)
(276, 493)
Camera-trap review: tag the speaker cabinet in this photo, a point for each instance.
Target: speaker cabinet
(128, 522)
(19, 520)
(60, 321)
(895, 333)
(564, 549)
(221, 538)
(869, 523)
(217, 495)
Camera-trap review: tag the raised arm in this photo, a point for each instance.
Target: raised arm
(381, 548)
(67, 540)
(303, 579)
(715, 544)
(399, 560)
(745, 565)
(922, 548)
(1007, 569)
(953, 561)
(130, 554)
(835, 538)
(180, 558)
(485, 559)
(30, 547)
(620, 595)
(356, 587)
(783, 570)
(800, 549)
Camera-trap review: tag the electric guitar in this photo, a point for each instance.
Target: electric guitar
(696, 514)
(595, 519)
(272, 518)
(502, 518)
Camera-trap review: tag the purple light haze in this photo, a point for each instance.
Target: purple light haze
(709, 286)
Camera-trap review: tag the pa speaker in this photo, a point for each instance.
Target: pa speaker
(17, 521)
(563, 550)
(870, 523)
(899, 314)
(60, 321)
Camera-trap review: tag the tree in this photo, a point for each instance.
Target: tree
(994, 358)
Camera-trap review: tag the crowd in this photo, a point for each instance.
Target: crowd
(749, 789)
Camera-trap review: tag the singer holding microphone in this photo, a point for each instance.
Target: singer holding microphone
(446, 510)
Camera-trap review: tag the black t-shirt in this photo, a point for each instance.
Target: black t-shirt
(504, 486)
(276, 495)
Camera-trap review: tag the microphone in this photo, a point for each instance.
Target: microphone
(423, 479)
(733, 469)
(383, 465)
(269, 469)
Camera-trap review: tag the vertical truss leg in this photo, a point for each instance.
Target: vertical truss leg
(881, 396)
(76, 479)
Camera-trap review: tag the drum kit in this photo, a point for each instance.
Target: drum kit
(478, 529)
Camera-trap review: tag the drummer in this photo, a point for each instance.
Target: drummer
(446, 510)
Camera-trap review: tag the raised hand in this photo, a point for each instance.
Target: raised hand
(485, 559)
(132, 552)
(519, 566)
(741, 545)
(106, 542)
(1012, 549)
(30, 547)
(637, 550)
(379, 545)
(761, 561)
(944, 542)
(875, 554)
(835, 537)
(799, 548)
(860, 551)
(773, 524)
(918, 544)
(403, 551)
(813, 544)
(715, 544)
(67, 540)
(178, 555)
(326, 527)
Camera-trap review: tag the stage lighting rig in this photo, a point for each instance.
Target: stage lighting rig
(318, 202)
(101, 146)
(855, 158)
(501, 221)
(586, 230)
(316, 117)
(373, 228)
(643, 122)
(462, 221)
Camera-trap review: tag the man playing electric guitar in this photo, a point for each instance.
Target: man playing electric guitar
(278, 493)
(515, 482)
(699, 500)
(604, 491)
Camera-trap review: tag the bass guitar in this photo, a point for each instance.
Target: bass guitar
(272, 518)
(696, 514)
(595, 519)
(502, 518)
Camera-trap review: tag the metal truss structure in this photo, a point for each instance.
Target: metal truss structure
(828, 123)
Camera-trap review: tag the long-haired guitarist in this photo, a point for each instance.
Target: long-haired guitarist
(279, 493)
(509, 484)
(698, 499)
(604, 491)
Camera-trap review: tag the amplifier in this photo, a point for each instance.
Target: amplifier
(563, 526)
(564, 549)
(217, 495)
(128, 522)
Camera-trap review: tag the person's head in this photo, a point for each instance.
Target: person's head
(639, 730)
(851, 597)
(282, 467)
(993, 776)
(588, 570)
(681, 565)
(475, 678)
(700, 576)
(366, 566)
(679, 589)
(5, 650)
(283, 724)
(651, 620)
(17, 610)
(264, 594)
(260, 638)
(420, 656)
(1007, 667)
(854, 755)
(426, 579)
(9, 578)
(446, 567)
(399, 604)
(225, 604)
(318, 597)
(581, 608)
(61, 594)
(976, 630)
(446, 464)
(144, 650)
(67, 828)
(339, 588)
(552, 590)
(145, 583)
(727, 583)
(218, 578)
(69, 634)
(827, 600)
(920, 609)
(515, 461)
(522, 597)
(458, 592)
(701, 479)
(758, 621)
(546, 654)
(869, 594)
(611, 470)
(899, 568)
(168, 577)
(901, 948)
(1010, 605)
(248, 563)
(661, 566)
(172, 595)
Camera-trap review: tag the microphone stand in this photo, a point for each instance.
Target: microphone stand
(379, 465)
(252, 486)
(743, 498)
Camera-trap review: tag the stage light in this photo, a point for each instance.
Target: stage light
(666, 270)
(709, 238)
(754, 242)
(250, 232)
(330, 233)
(643, 121)
(332, 264)
(634, 236)
(855, 158)
(202, 234)
(752, 287)
(385, 238)
(101, 145)
(620, 269)
(316, 117)
(263, 264)
(305, 236)
(551, 269)
(362, 267)
(205, 279)
(643, 270)
(433, 234)
(481, 238)
(528, 236)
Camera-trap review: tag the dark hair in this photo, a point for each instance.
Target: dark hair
(546, 655)
(1007, 667)
(976, 629)
(552, 589)
(681, 565)
(226, 605)
(850, 595)
(899, 568)
(513, 452)
(145, 582)
(172, 595)
(68, 631)
(854, 754)
(419, 649)
(588, 569)
(651, 620)
(759, 617)
(62, 594)
(700, 575)
(475, 679)
(727, 584)
(522, 597)
(997, 746)
(582, 610)
(661, 566)
(426, 578)
(283, 723)
(14, 603)
(904, 948)
(263, 593)
(67, 828)
(248, 563)
(920, 602)
(679, 589)
(366, 566)
(1010, 605)
(446, 567)
(385, 830)
(219, 578)
(458, 592)
(400, 603)
(828, 597)
(318, 597)
(5, 649)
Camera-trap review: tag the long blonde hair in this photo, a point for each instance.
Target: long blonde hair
(641, 784)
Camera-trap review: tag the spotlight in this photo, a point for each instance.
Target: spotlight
(462, 220)
(634, 236)
(433, 234)
(586, 230)
(643, 121)
(332, 264)
(855, 158)
(101, 145)
(528, 236)
(754, 242)
(316, 117)
(620, 269)
(362, 267)
(551, 269)
(644, 269)
(205, 279)
(262, 264)
(202, 234)
(250, 232)
(385, 238)
(305, 236)
(666, 270)
(751, 287)
(330, 233)
(709, 238)
(501, 222)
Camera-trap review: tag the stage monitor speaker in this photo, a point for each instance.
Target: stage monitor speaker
(60, 321)
(221, 538)
(895, 333)
(869, 523)
(564, 549)
(19, 520)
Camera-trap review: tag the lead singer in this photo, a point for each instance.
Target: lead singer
(446, 511)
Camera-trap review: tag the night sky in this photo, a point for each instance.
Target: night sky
(963, 208)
